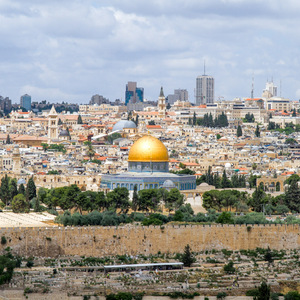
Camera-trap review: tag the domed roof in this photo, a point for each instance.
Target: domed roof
(64, 132)
(123, 124)
(148, 148)
(168, 184)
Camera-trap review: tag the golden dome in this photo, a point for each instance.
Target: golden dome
(148, 148)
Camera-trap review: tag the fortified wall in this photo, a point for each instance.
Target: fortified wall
(133, 240)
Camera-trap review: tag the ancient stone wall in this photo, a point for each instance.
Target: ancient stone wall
(132, 240)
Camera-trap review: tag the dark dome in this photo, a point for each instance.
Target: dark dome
(64, 132)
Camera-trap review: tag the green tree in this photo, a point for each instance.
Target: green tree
(292, 196)
(229, 268)
(8, 140)
(187, 257)
(151, 122)
(4, 189)
(118, 199)
(258, 199)
(264, 292)
(13, 188)
(90, 150)
(135, 198)
(137, 120)
(59, 121)
(81, 202)
(19, 204)
(112, 137)
(7, 265)
(292, 295)
(148, 199)
(225, 182)
(37, 206)
(290, 141)
(268, 256)
(21, 189)
(31, 188)
(239, 131)
(79, 120)
(45, 146)
(225, 218)
(194, 119)
(257, 131)
(174, 200)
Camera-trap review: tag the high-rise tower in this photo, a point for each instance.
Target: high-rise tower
(205, 88)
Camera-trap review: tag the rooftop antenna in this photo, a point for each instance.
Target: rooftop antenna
(204, 67)
(280, 88)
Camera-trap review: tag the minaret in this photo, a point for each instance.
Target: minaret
(161, 104)
(16, 158)
(52, 125)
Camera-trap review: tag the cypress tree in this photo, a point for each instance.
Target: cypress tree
(4, 189)
(30, 189)
(79, 120)
(135, 198)
(257, 131)
(21, 189)
(13, 188)
(239, 131)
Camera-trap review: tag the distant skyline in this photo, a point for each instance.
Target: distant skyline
(69, 50)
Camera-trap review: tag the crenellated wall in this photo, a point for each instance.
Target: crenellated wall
(132, 240)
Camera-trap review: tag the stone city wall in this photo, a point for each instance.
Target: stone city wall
(132, 240)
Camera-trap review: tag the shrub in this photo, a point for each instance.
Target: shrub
(293, 295)
(229, 268)
(3, 240)
(221, 295)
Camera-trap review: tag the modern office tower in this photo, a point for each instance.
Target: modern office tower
(5, 105)
(179, 94)
(98, 99)
(133, 93)
(25, 102)
(271, 88)
(205, 86)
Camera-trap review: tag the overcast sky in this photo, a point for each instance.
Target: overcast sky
(69, 50)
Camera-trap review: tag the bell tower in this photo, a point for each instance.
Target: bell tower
(161, 104)
(16, 158)
(52, 125)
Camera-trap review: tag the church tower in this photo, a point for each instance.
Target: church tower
(16, 158)
(52, 125)
(161, 104)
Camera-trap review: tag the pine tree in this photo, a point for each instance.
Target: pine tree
(239, 131)
(187, 257)
(59, 121)
(79, 120)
